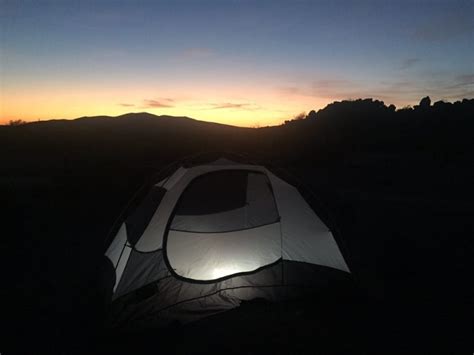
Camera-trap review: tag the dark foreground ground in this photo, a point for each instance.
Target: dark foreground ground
(409, 251)
(406, 222)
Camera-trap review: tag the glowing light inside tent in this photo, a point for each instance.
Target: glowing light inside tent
(223, 271)
(218, 272)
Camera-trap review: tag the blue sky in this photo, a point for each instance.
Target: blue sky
(238, 62)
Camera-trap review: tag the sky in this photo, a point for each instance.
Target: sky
(244, 63)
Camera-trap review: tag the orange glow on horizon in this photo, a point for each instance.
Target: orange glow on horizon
(244, 106)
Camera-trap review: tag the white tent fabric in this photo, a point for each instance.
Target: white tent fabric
(118, 253)
(115, 249)
(210, 256)
(258, 210)
(170, 181)
(152, 238)
(305, 237)
(271, 222)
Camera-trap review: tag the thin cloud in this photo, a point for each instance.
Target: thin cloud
(126, 105)
(408, 63)
(463, 80)
(322, 88)
(399, 92)
(232, 105)
(344, 89)
(164, 103)
(461, 86)
(404, 92)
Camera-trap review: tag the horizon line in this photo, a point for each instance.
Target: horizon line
(19, 121)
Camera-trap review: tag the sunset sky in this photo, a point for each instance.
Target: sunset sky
(245, 63)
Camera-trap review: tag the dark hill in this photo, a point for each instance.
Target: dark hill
(334, 134)
(134, 139)
(398, 183)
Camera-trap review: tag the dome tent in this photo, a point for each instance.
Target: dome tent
(211, 234)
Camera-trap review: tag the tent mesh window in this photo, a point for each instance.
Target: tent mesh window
(225, 201)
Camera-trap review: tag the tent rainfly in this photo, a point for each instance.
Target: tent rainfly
(210, 236)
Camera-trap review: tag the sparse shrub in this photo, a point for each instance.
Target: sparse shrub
(16, 122)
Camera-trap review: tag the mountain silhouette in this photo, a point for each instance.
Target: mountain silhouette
(334, 134)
